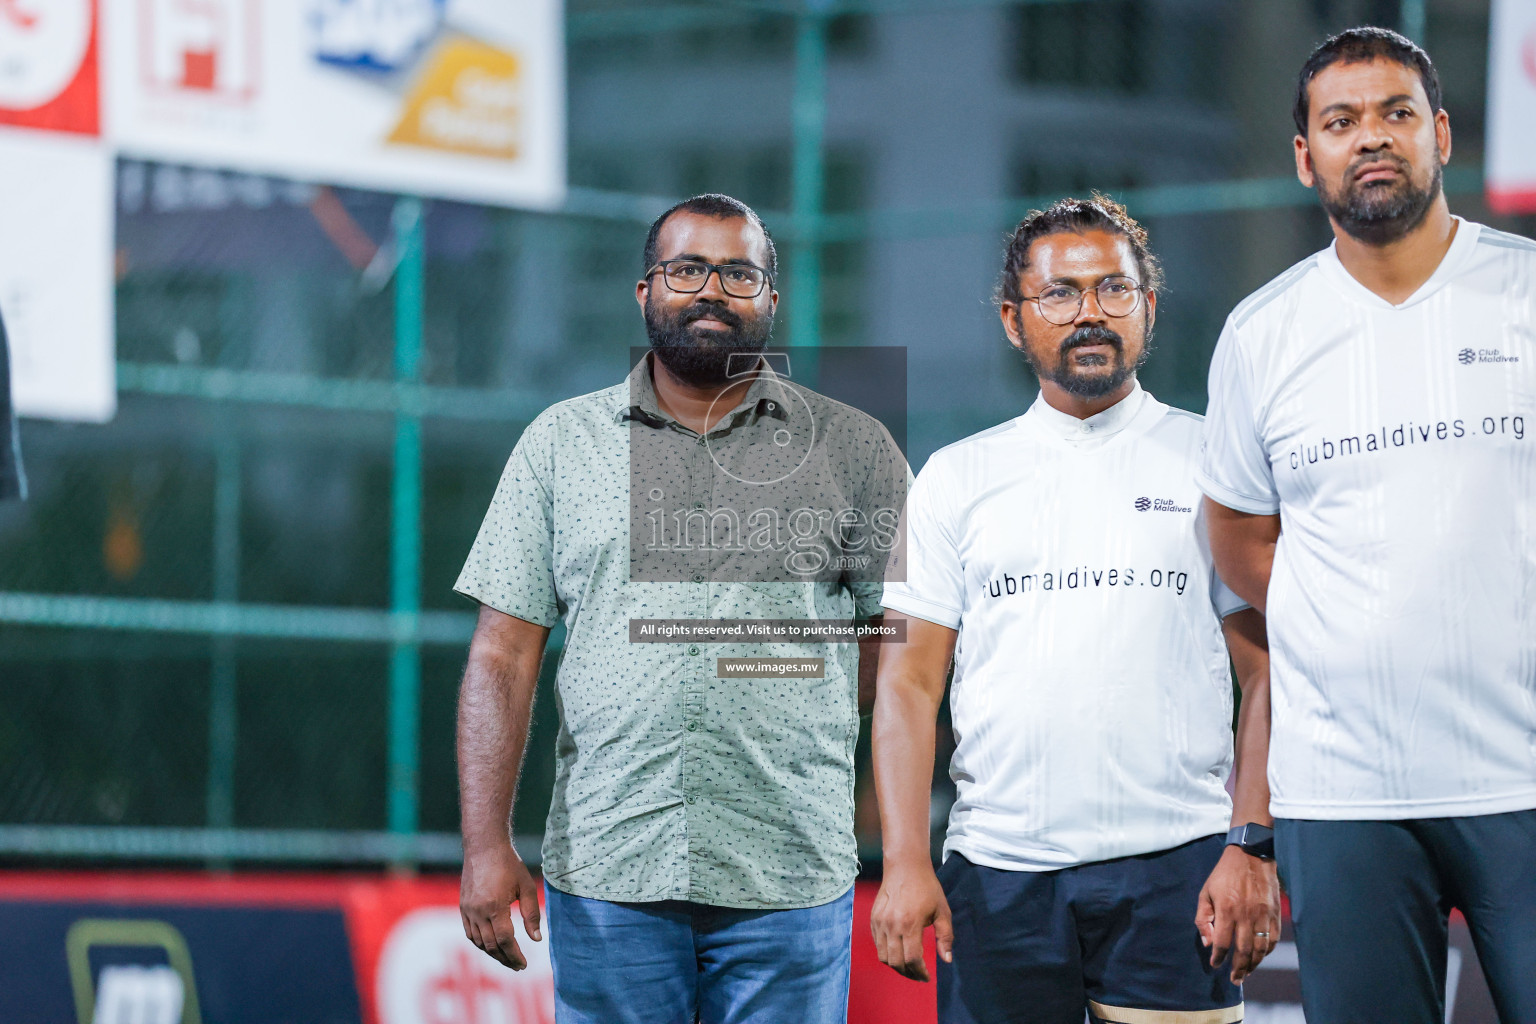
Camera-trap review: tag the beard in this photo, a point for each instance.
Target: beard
(1380, 212)
(703, 358)
(1067, 375)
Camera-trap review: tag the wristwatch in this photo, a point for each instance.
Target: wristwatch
(1254, 840)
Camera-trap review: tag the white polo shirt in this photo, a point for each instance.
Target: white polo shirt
(1091, 701)
(1398, 445)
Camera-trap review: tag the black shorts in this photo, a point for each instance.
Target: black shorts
(1115, 938)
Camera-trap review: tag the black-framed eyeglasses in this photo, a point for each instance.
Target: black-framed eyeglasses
(739, 280)
(1060, 304)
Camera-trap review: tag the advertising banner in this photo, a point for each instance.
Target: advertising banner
(1511, 161)
(414, 965)
(80, 947)
(55, 211)
(462, 99)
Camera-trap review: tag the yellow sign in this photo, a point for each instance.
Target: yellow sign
(468, 99)
(136, 995)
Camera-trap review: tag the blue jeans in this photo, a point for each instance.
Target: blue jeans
(676, 962)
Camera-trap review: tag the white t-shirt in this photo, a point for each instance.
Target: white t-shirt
(1398, 445)
(1091, 702)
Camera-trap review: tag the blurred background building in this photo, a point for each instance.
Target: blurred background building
(227, 630)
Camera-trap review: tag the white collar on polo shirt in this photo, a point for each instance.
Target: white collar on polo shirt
(1098, 427)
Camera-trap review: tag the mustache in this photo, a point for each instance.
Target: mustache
(1397, 162)
(1093, 334)
(708, 311)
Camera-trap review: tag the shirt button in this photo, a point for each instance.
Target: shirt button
(693, 727)
(698, 504)
(689, 799)
(693, 650)
(698, 577)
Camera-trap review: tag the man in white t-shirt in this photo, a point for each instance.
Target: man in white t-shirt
(1058, 560)
(1372, 478)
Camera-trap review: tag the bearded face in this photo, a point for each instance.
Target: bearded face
(696, 342)
(1374, 148)
(1378, 210)
(1087, 374)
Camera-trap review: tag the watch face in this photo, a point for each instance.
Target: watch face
(1258, 840)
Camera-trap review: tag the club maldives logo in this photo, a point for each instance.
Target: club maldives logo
(1160, 505)
(1468, 356)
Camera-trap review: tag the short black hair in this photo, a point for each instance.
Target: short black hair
(1359, 45)
(711, 204)
(1096, 213)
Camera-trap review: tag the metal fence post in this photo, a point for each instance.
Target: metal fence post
(808, 181)
(223, 720)
(405, 529)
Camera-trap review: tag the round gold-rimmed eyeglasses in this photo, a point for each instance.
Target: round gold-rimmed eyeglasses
(1060, 304)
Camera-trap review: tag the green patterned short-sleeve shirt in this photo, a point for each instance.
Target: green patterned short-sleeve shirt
(672, 783)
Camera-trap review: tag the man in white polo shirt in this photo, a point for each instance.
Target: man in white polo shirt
(1373, 485)
(1092, 700)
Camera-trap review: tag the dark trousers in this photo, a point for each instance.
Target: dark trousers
(1370, 902)
(1115, 938)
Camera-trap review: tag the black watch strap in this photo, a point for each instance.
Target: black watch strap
(1255, 840)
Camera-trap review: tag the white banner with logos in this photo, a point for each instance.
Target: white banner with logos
(56, 273)
(1510, 170)
(463, 99)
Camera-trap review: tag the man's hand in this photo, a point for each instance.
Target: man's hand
(910, 900)
(492, 881)
(495, 709)
(1240, 900)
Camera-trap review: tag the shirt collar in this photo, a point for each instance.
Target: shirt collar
(1462, 248)
(767, 397)
(1096, 427)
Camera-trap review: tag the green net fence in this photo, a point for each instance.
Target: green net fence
(227, 626)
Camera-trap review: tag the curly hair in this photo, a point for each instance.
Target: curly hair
(1096, 213)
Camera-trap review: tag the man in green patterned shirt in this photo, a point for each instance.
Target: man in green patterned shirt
(699, 853)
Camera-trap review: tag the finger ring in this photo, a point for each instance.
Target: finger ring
(1262, 935)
